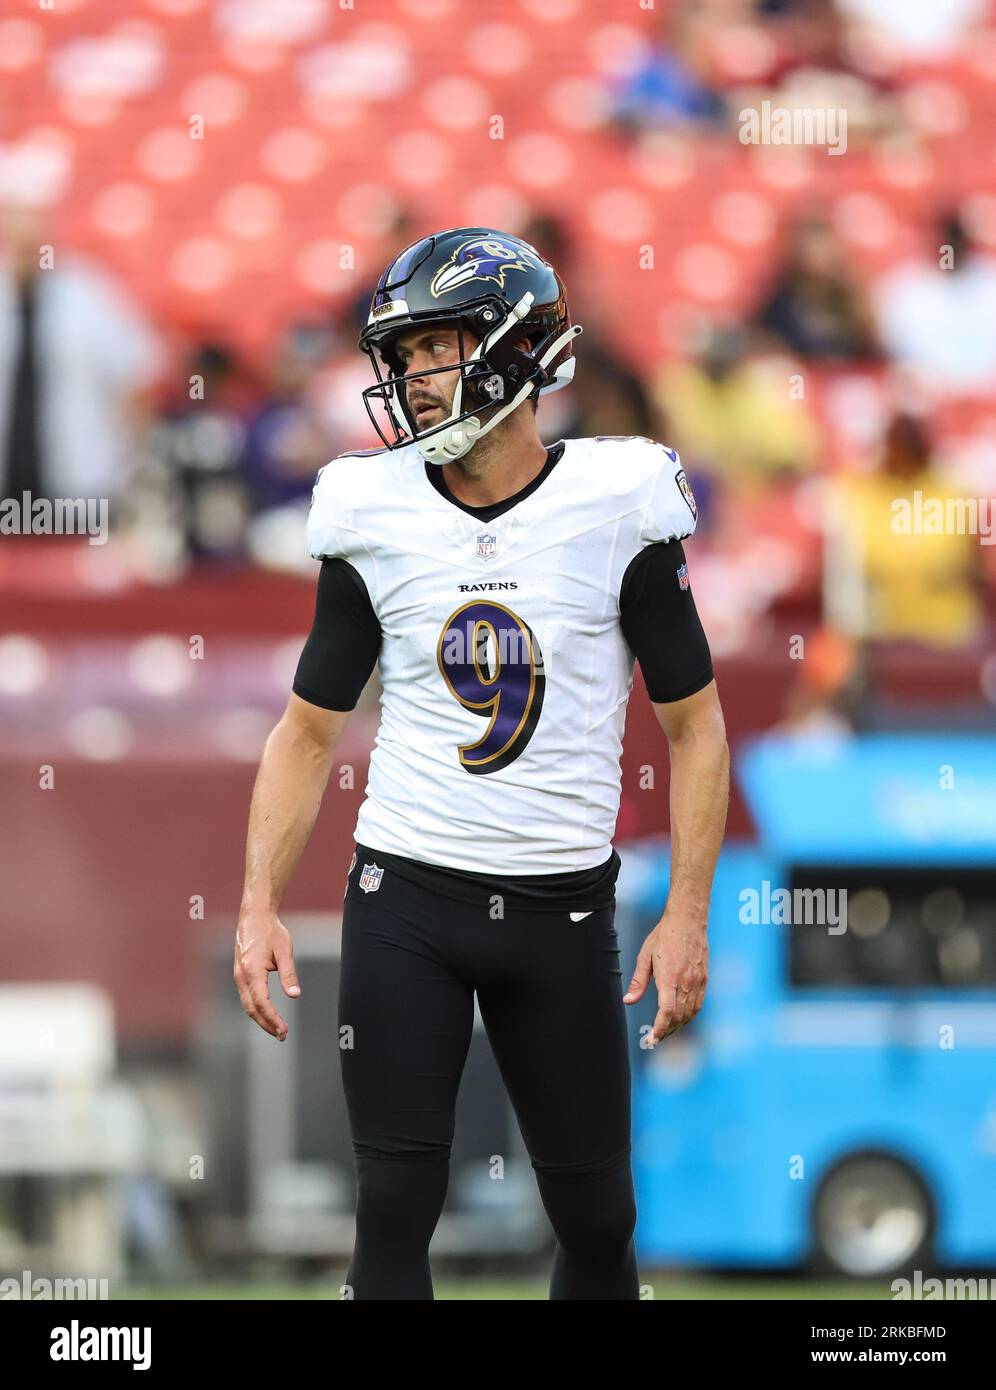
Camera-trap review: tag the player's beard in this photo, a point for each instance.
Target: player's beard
(487, 450)
(476, 462)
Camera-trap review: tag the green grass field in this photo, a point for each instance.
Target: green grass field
(666, 1286)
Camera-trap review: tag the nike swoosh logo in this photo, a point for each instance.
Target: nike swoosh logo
(579, 916)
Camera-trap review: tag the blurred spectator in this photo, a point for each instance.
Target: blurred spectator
(551, 235)
(931, 28)
(732, 418)
(197, 443)
(777, 9)
(288, 441)
(292, 436)
(606, 397)
(814, 308)
(811, 64)
(339, 384)
(672, 85)
(920, 586)
(811, 31)
(937, 316)
(76, 363)
(813, 43)
(824, 699)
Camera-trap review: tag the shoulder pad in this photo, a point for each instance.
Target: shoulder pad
(338, 488)
(669, 510)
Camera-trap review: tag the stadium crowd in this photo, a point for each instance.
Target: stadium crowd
(817, 341)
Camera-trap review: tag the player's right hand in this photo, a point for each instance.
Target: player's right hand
(262, 944)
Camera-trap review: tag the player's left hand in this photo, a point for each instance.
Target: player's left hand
(676, 953)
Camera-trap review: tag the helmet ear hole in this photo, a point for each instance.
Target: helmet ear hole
(390, 359)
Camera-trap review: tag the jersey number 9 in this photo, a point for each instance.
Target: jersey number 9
(493, 666)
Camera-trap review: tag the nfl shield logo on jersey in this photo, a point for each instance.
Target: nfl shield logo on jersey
(487, 546)
(370, 878)
(682, 574)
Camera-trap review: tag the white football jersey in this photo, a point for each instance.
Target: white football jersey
(504, 668)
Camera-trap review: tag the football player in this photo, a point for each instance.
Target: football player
(506, 589)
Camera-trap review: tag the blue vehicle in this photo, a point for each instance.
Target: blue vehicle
(834, 1103)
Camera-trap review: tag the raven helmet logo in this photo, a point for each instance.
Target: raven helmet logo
(484, 258)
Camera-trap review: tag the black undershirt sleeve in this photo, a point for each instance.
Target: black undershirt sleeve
(344, 642)
(661, 625)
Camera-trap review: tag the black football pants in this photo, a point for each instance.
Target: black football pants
(550, 995)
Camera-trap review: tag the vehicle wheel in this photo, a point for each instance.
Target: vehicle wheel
(872, 1216)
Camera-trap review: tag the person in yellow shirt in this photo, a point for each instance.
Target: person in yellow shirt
(920, 571)
(735, 417)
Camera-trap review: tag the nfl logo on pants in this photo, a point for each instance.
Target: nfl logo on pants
(370, 878)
